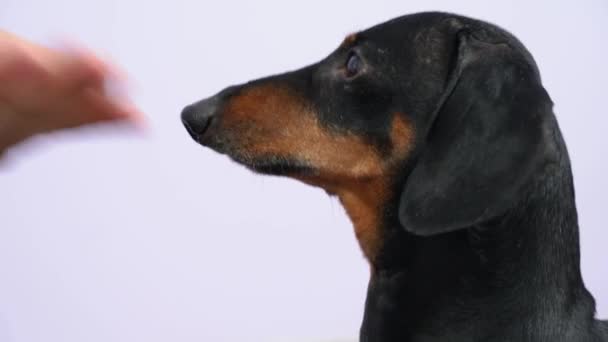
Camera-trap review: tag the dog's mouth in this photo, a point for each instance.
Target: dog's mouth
(268, 164)
(274, 165)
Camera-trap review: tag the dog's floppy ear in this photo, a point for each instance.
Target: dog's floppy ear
(487, 139)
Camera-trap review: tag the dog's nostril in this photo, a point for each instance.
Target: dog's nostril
(195, 120)
(189, 128)
(198, 116)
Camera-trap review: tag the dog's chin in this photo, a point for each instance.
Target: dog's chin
(266, 164)
(271, 164)
(275, 168)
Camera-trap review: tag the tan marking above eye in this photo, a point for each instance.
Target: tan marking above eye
(350, 39)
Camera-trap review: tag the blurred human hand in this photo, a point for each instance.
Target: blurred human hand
(43, 90)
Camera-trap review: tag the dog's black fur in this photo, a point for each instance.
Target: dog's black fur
(479, 235)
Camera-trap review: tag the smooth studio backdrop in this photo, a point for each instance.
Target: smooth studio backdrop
(112, 236)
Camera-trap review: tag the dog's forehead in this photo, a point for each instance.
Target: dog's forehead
(399, 32)
(405, 29)
(394, 27)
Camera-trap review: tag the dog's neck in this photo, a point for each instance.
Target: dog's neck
(364, 202)
(523, 265)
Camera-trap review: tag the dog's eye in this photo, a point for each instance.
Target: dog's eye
(353, 64)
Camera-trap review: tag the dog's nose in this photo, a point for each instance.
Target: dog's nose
(197, 117)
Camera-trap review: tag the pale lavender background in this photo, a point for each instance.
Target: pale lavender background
(106, 236)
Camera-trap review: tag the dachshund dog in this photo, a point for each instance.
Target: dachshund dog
(438, 138)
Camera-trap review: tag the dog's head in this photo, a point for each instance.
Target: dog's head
(450, 110)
